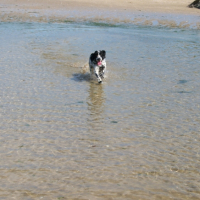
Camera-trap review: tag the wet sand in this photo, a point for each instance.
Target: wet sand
(155, 12)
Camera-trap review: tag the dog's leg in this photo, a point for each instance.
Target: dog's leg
(102, 72)
(97, 74)
(91, 70)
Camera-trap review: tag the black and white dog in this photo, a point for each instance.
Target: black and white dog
(97, 63)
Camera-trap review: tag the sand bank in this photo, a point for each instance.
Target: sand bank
(164, 6)
(152, 12)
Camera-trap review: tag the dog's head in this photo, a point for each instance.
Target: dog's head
(97, 57)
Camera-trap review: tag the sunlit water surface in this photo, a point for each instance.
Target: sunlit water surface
(64, 136)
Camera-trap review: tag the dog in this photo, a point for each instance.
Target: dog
(97, 64)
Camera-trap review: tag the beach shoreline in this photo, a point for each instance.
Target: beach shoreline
(155, 12)
(158, 6)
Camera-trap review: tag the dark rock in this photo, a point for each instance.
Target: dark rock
(195, 4)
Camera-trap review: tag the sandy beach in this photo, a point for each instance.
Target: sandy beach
(165, 12)
(164, 6)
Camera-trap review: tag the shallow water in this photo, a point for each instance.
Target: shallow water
(64, 136)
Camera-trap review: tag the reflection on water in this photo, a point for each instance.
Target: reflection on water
(96, 106)
(64, 136)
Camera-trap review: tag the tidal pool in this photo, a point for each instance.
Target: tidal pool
(64, 136)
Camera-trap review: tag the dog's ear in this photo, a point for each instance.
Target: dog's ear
(94, 55)
(103, 54)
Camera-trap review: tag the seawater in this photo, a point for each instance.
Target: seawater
(64, 136)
